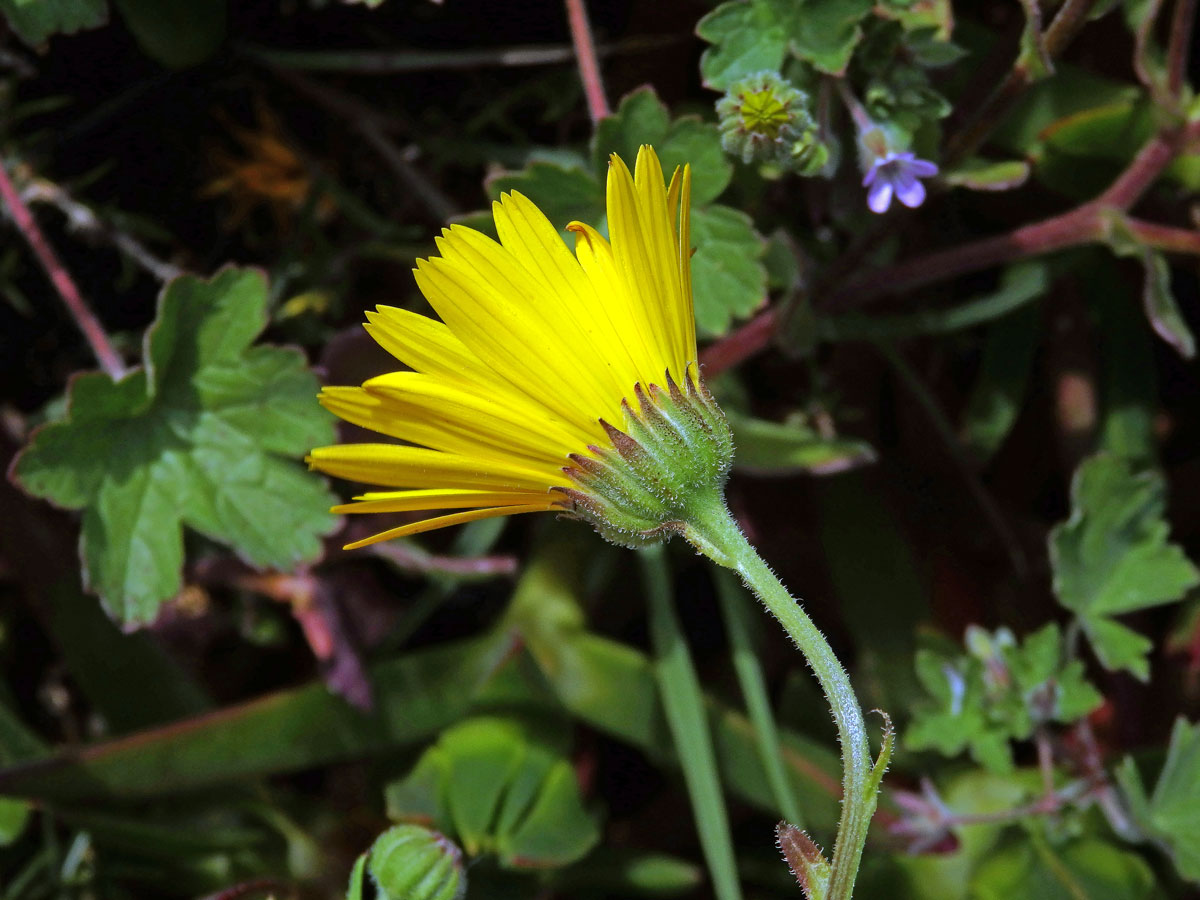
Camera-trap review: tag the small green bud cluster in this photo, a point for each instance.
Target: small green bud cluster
(671, 460)
(409, 862)
(763, 118)
(1000, 690)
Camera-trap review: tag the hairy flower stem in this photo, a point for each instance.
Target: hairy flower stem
(713, 531)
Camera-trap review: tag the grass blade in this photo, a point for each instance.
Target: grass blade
(688, 722)
(736, 610)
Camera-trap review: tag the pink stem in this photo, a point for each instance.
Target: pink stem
(589, 67)
(92, 330)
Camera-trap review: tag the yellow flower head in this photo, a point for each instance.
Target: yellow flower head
(512, 393)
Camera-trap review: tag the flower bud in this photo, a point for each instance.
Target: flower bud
(409, 862)
(764, 119)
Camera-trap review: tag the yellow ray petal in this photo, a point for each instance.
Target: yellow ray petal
(510, 337)
(473, 515)
(629, 319)
(437, 498)
(416, 467)
(658, 233)
(426, 345)
(452, 428)
(516, 415)
(683, 238)
(538, 247)
(638, 269)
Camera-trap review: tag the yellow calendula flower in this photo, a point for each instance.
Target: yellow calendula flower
(552, 378)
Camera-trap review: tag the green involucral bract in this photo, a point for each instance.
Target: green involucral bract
(672, 458)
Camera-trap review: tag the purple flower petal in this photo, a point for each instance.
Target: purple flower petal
(910, 192)
(923, 168)
(896, 175)
(879, 197)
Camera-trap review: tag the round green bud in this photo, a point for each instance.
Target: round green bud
(763, 118)
(409, 862)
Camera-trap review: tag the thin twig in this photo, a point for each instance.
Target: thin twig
(88, 324)
(413, 558)
(1164, 237)
(1179, 43)
(589, 66)
(83, 218)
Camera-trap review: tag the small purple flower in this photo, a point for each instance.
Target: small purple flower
(898, 174)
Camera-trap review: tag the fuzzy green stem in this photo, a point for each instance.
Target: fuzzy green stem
(713, 531)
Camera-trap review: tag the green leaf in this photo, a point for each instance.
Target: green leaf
(752, 35)
(986, 175)
(193, 437)
(748, 36)
(355, 891)
(612, 687)
(825, 32)
(784, 448)
(1087, 869)
(1021, 284)
(1113, 556)
(500, 785)
(563, 193)
(642, 118)
(729, 280)
(1161, 308)
(177, 34)
(999, 691)
(36, 20)
(417, 695)
(1157, 297)
(1172, 814)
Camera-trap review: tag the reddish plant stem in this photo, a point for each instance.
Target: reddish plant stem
(92, 330)
(1079, 226)
(741, 344)
(1179, 43)
(1154, 156)
(589, 66)
(1164, 237)
(1085, 224)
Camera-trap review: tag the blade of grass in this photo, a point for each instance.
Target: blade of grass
(735, 610)
(683, 703)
